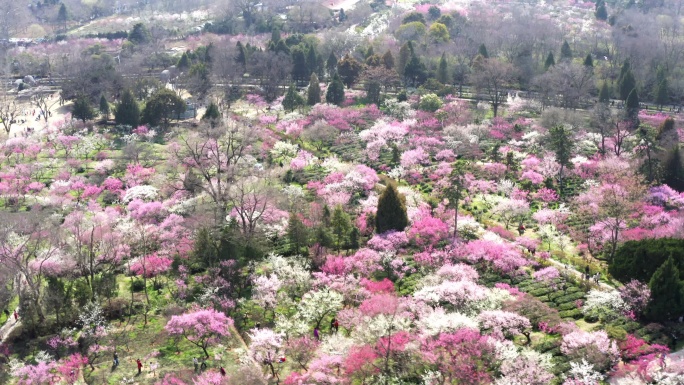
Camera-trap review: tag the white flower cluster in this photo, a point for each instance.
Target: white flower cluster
(284, 151)
(143, 192)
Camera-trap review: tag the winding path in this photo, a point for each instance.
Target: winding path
(9, 327)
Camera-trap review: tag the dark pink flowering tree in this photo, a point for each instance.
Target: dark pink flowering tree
(201, 327)
(461, 357)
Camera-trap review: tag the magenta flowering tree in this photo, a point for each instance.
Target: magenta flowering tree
(39, 374)
(546, 195)
(461, 357)
(428, 231)
(547, 275)
(504, 257)
(71, 364)
(201, 327)
(151, 266)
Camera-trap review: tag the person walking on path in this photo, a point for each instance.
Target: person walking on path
(116, 359)
(139, 365)
(16, 316)
(334, 326)
(195, 363)
(203, 366)
(223, 371)
(316, 336)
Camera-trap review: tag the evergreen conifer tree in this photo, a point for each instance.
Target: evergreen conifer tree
(313, 93)
(674, 170)
(601, 13)
(127, 112)
(566, 52)
(104, 108)
(82, 110)
(292, 99)
(404, 56)
(331, 65)
(483, 51)
(212, 113)
(341, 225)
(391, 213)
(335, 92)
(297, 233)
(443, 71)
(183, 62)
(667, 297)
(632, 105)
(604, 93)
(241, 57)
(588, 61)
(388, 60)
(550, 61)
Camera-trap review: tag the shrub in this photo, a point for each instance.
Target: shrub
(616, 332)
(575, 313)
(137, 285)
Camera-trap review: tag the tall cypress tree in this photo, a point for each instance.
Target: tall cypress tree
(627, 85)
(300, 71)
(241, 57)
(550, 61)
(331, 64)
(297, 233)
(212, 113)
(563, 146)
(566, 52)
(388, 60)
(632, 105)
(674, 170)
(104, 108)
(292, 99)
(335, 92)
(404, 56)
(588, 61)
(443, 71)
(604, 94)
(312, 59)
(341, 225)
(601, 13)
(667, 297)
(127, 111)
(483, 51)
(313, 93)
(391, 213)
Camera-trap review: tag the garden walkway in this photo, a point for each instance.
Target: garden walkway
(9, 327)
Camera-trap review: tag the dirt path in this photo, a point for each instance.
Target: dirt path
(9, 327)
(340, 4)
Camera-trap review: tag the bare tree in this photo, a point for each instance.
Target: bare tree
(566, 84)
(272, 70)
(218, 157)
(9, 111)
(43, 101)
(493, 77)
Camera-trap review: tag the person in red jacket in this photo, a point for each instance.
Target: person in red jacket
(139, 365)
